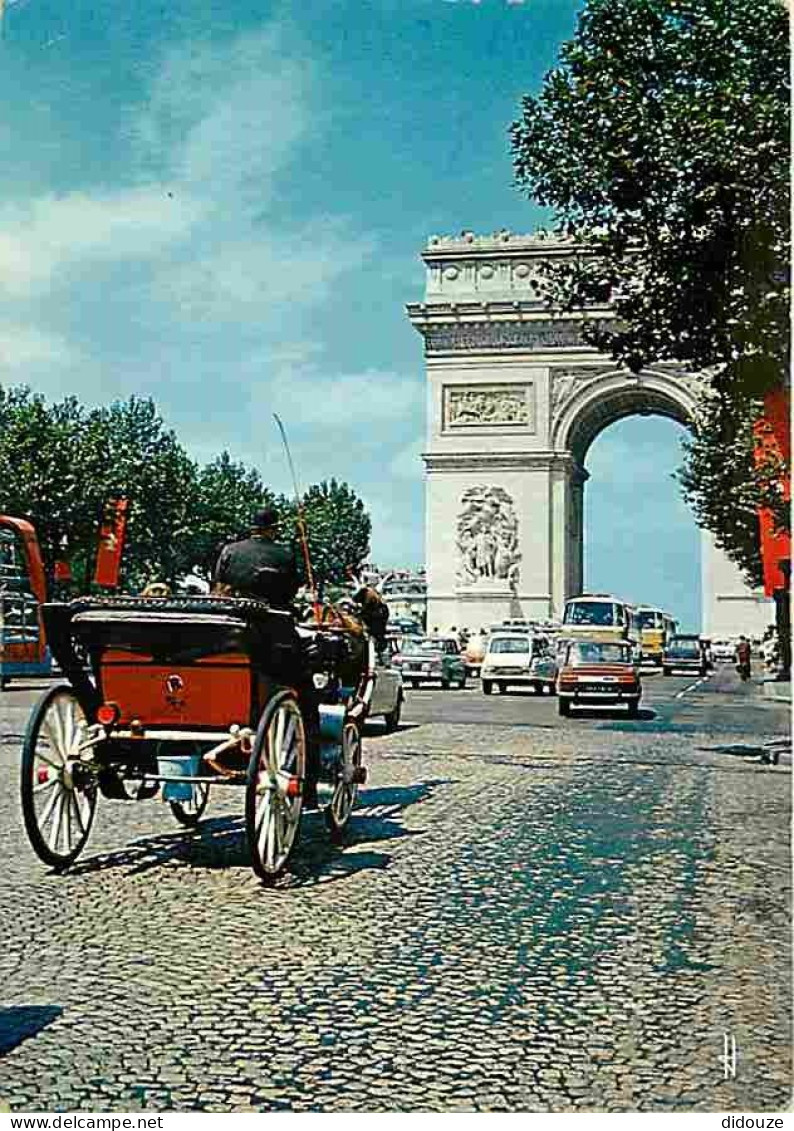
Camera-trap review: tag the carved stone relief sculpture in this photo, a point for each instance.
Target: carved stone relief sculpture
(487, 537)
(467, 407)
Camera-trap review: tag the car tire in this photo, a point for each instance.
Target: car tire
(502, 688)
(487, 687)
(392, 720)
(563, 708)
(667, 671)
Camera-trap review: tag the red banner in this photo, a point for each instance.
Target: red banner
(111, 543)
(773, 442)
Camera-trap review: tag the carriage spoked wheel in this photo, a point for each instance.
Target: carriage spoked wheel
(59, 791)
(190, 812)
(273, 797)
(343, 801)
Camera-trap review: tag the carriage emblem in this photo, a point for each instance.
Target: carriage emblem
(174, 687)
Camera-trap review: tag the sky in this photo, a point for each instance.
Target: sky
(222, 205)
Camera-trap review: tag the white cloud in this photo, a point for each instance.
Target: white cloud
(23, 347)
(51, 233)
(353, 400)
(223, 118)
(248, 277)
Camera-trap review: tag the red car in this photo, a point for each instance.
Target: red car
(594, 674)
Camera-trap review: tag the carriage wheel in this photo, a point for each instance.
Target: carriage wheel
(337, 814)
(190, 812)
(273, 798)
(58, 792)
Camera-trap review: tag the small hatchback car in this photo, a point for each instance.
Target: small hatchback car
(598, 674)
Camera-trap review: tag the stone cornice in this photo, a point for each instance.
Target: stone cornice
(536, 245)
(525, 335)
(498, 461)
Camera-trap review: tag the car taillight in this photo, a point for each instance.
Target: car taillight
(108, 714)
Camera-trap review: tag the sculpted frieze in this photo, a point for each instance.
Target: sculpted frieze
(488, 406)
(487, 537)
(501, 335)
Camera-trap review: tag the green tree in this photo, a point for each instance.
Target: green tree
(338, 529)
(41, 474)
(59, 464)
(660, 142)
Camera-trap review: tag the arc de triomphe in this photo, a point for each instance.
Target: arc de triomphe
(515, 400)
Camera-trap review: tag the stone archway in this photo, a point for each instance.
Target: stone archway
(515, 399)
(585, 401)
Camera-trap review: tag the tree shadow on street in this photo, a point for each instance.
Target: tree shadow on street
(220, 842)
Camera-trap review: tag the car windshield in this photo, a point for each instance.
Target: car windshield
(420, 647)
(590, 612)
(649, 618)
(510, 644)
(685, 647)
(592, 653)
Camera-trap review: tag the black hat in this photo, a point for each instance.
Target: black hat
(266, 518)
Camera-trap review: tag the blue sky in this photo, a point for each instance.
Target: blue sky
(222, 205)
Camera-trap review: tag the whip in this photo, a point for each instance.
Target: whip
(301, 523)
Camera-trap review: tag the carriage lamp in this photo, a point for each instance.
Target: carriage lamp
(108, 714)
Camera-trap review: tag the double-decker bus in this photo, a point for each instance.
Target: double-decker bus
(23, 589)
(598, 616)
(655, 628)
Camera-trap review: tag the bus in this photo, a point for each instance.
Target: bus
(23, 589)
(598, 616)
(655, 628)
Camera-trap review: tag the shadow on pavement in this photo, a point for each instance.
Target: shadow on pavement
(220, 842)
(18, 1022)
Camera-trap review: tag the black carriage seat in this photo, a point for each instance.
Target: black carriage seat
(176, 629)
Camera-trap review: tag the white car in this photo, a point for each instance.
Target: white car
(518, 658)
(723, 650)
(387, 695)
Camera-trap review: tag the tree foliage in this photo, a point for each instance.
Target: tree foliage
(338, 529)
(60, 463)
(661, 143)
(227, 495)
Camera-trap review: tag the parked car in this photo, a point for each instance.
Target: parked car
(595, 673)
(388, 693)
(431, 659)
(684, 653)
(516, 658)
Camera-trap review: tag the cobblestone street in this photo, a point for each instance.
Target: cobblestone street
(529, 914)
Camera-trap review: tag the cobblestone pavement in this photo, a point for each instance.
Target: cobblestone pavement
(527, 916)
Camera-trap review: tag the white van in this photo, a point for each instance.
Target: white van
(515, 658)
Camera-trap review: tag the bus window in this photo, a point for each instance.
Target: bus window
(599, 613)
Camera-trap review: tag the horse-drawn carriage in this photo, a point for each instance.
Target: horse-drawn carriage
(173, 696)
